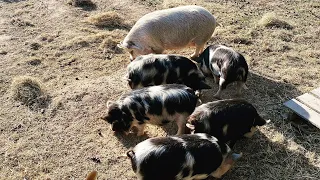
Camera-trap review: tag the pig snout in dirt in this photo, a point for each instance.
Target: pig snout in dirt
(226, 66)
(156, 105)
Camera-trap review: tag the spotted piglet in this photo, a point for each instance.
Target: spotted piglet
(227, 120)
(226, 65)
(156, 69)
(156, 105)
(187, 157)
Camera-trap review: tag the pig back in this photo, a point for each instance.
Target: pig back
(175, 156)
(175, 27)
(224, 119)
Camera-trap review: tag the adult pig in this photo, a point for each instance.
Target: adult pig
(172, 28)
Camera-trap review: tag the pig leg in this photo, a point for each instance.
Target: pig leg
(216, 78)
(218, 94)
(181, 121)
(157, 50)
(240, 85)
(222, 86)
(140, 128)
(199, 49)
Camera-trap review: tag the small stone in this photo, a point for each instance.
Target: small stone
(3, 52)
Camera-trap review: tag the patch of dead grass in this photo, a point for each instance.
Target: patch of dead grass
(107, 19)
(29, 91)
(271, 20)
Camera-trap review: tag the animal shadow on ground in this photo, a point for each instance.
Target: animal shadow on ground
(11, 1)
(89, 7)
(264, 159)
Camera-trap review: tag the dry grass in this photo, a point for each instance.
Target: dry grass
(30, 92)
(110, 19)
(81, 69)
(271, 20)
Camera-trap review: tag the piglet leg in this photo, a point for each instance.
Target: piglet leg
(218, 94)
(241, 85)
(181, 121)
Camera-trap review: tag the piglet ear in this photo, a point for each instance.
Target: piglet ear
(110, 104)
(232, 158)
(190, 126)
(203, 85)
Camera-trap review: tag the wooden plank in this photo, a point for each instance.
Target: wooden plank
(304, 111)
(311, 101)
(316, 92)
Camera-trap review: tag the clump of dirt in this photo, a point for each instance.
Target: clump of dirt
(270, 20)
(30, 92)
(107, 19)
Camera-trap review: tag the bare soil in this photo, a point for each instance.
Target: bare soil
(81, 68)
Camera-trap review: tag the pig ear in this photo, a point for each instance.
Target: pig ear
(233, 157)
(190, 126)
(131, 45)
(110, 104)
(203, 85)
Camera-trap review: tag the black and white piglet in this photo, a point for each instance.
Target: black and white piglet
(157, 69)
(227, 120)
(187, 157)
(157, 105)
(224, 63)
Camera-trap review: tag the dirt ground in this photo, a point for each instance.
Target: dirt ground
(80, 68)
